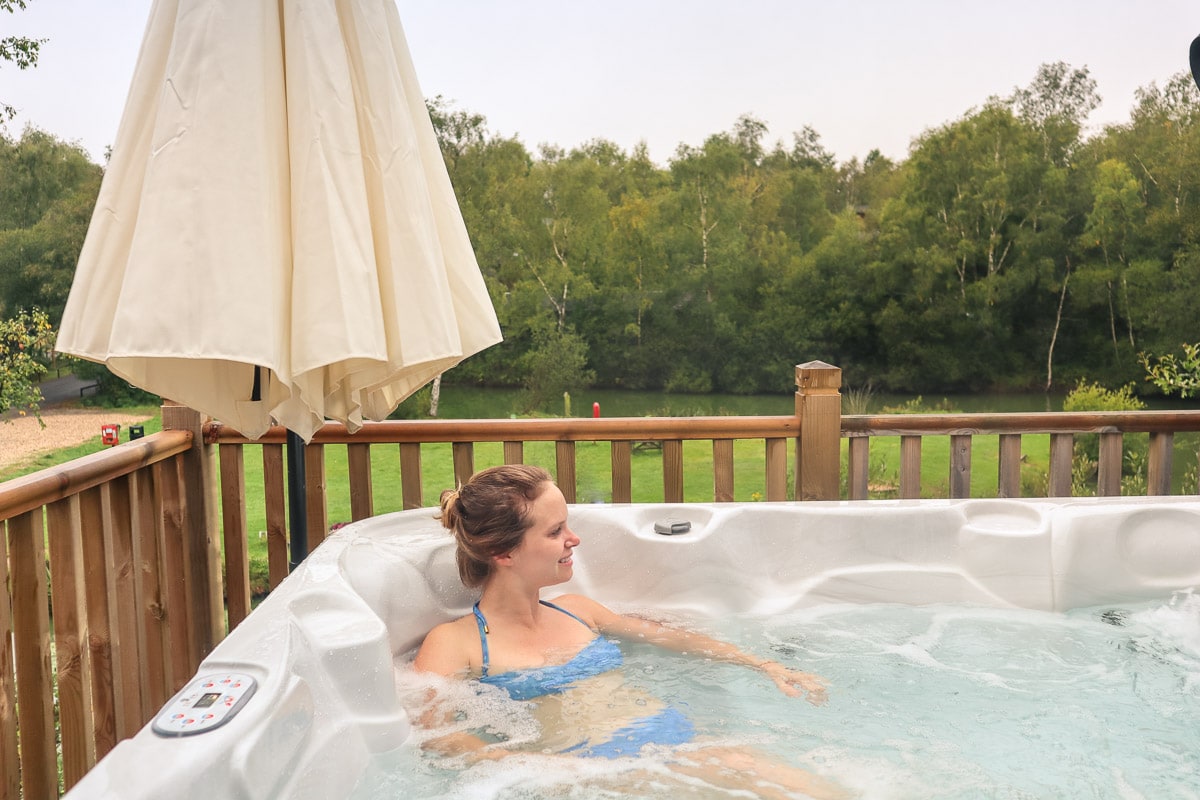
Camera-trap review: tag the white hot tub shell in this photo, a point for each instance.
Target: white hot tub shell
(322, 647)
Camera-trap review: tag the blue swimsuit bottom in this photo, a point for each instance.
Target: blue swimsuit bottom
(668, 726)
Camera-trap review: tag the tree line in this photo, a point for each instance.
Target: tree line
(1007, 251)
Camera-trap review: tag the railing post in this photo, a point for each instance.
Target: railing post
(202, 547)
(819, 415)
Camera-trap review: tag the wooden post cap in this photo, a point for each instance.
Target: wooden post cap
(818, 375)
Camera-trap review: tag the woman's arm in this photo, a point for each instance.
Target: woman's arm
(443, 653)
(790, 682)
(458, 743)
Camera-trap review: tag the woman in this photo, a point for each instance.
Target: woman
(510, 524)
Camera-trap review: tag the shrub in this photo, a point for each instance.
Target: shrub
(24, 342)
(1094, 397)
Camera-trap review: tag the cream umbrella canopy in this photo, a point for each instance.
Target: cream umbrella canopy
(276, 239)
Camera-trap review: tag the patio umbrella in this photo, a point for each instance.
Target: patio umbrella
(276, 239)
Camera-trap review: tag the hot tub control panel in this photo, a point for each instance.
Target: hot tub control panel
(206, 703)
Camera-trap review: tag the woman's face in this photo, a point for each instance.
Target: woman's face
(545, 552)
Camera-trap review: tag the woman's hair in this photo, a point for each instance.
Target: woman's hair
(489, 515)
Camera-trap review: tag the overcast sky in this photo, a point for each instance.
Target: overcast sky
(864, 74)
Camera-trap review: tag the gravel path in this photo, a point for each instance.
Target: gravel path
(22, 438)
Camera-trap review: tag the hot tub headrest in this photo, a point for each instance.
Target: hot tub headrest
(410, 580)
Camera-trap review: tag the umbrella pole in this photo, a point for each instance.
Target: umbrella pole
(297, 508)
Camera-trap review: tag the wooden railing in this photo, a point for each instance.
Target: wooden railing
(140, 593)
(88, 654)
(1111, 427)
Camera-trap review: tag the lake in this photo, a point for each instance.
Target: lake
(469, 402)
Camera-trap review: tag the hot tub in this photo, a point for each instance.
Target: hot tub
(316, 660)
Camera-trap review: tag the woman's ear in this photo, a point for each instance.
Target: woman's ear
(503, 558)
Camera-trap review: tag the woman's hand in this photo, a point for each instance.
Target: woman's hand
(794, 683)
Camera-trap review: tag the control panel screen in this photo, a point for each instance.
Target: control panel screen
(207, 699)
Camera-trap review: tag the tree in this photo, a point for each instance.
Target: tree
(963, 244)
(48, 190)
(1156, 274)
(19, 50)
(1117, 212)
(25, 341)
(1057, 103)
(865, 187)
(1003, 252)
(457, 131)
(556, 365)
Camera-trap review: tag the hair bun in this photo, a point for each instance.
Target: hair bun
(451, 505)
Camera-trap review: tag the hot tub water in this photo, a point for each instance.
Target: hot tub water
(926, 703)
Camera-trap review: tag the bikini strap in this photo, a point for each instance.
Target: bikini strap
(483, 632)
(481, 623)
(563, 610)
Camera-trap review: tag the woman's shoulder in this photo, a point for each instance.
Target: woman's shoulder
(587, 609)
(447, 648)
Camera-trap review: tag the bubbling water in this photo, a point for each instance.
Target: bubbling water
(925, 702)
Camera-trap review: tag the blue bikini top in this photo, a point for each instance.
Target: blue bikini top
(599, 655)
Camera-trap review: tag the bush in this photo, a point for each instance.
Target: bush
(1094, 397)
(1084, 467)
(111, 391)
(25, 341)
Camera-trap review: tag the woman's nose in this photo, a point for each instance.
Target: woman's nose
(572, 538)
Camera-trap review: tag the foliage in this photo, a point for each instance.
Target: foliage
(47, 192)
(19, 50)
(1094, 397)
(111, 390)
(1004, 233)
(1173, 374)
(415, 406)
(557, 365)
(25, 343)
(857, 399)
(1005, 252)
(1084, 463)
